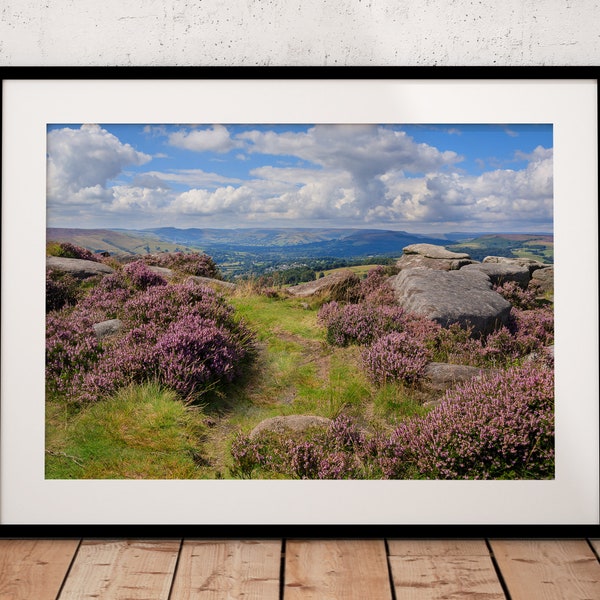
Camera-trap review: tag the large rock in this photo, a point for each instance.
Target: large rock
(500, 273)
(463, 297)
(79, 268)
(432, 257)
(297, 424)
(339, 285)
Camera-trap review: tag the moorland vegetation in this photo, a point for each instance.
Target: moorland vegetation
(188, 370)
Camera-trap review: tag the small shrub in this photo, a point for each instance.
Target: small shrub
(68, 250)
(397, 356)
(62, 290)
(192, 263)
(141, 277)
(363, 323)
(106, 300)
(374, 289)
(524, 299)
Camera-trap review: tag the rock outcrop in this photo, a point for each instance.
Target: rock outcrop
(432, 257)
(290, 424)
(530, 263)
(339, 285)
(500, 273)
(77, 267)
(463, 297)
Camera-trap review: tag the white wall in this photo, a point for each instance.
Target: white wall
(300, 32)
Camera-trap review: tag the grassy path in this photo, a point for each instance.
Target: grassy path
(146, 432)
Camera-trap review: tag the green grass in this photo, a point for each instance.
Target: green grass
(143, 432)
(147, 432)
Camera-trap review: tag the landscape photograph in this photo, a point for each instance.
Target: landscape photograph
(299, 302)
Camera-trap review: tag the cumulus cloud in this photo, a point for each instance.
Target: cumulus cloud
(498, 198)
(330, 175)
(361, 154)
(82, 161)
(215, 139)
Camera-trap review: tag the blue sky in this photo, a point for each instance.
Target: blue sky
(418, 178)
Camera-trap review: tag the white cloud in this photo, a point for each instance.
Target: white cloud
(502, 198)
(216, 139)
(82, 161)
(330, 175)
(192, 177)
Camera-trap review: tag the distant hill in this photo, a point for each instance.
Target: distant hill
(286, 243)
(275, 245)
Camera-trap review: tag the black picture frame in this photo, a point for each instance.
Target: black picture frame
(96, 76)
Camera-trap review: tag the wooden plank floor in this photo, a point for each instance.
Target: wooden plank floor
(299, 569)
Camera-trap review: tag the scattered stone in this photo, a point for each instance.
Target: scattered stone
(340, 285)
(162, 271)
(216, 283)
(500, 273)
(447, 297)
(432, 257)
(442, 376)
(79, 268)
(297, 424)
(107, 328)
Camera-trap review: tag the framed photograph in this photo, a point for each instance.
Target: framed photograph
(336, 301)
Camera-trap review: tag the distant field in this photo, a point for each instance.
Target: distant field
(537, 247)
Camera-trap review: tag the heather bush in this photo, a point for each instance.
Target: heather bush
(397, 356)
(192, 263)
(500, 427)
(374, 289)
(106, 299)
(184, 336)
(62, 290)
(520, 298)
(188, 356)
(71, 350)
(526, 332)
(363, 323)
(68, 250)
(165, 304)
(141, 277)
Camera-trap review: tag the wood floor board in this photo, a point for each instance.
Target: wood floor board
(409, 547)
(396, 569)
(443, 569)
(34, 568)
(548, 569)
(336, 569)
(122, 570)
(227, 570)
